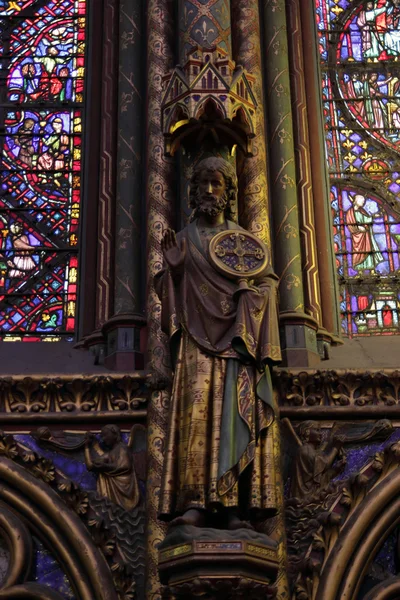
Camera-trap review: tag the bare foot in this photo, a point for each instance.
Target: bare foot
(192, 517)
(235, 523)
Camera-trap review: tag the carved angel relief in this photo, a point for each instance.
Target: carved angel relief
(116, 464)
(116, 507)
(117, 479)
(313, 509)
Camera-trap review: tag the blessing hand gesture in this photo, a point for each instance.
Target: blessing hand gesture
(174, 256)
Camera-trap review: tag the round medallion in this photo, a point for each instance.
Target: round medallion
(238, 254)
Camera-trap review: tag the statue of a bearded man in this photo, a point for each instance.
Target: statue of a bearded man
(219, 452)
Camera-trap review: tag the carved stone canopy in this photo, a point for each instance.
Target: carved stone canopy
(208, 96)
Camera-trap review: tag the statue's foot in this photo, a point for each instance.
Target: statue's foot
(192, 517)
(235, 523)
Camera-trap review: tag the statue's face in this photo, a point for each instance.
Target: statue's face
(108, 437)
(315, 436)
(211, 196)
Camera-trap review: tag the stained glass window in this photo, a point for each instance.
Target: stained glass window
(359, 46)
(42, 53)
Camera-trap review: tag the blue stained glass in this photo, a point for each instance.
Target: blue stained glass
(47, 571)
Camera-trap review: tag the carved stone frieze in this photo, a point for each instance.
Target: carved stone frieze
(339, 388)
(70, 394)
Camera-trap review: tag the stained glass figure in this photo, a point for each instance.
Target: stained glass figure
(42, 60)
(359, 44)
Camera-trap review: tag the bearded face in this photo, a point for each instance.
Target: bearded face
(211, 194)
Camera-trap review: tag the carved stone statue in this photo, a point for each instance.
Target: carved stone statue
(116, 474)
(316, 462)
(219, 458)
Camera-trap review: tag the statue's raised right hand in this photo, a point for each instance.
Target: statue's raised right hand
(174, 256)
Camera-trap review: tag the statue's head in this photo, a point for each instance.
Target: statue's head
(310, 432)
(213, 188)
(43, 433)
(111, 435)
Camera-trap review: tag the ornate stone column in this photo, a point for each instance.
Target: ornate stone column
(106, 181)
(107, 176)
(302, 153)
(252, 172)
(123, 330)
(160, 215)
(320, 183)
(290, 189)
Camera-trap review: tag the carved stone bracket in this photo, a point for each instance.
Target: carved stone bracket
(236, 588)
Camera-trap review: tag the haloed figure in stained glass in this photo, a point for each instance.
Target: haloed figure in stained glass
(25, 142)
(365, 250)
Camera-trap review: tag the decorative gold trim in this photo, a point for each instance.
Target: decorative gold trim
(166, 555)
(216, 249)
(261, 551)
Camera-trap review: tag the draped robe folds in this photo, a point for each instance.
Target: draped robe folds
(312, 470)
(221, 404)
(116, 475)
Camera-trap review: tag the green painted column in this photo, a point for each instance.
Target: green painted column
(128, 226)
(286, 230)
(298, 329)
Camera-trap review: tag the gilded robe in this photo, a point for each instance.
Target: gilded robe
(221, 404)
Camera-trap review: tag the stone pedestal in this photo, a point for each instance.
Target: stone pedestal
(95, 344)
(217, 564)
(298, 333)
(123, 335)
